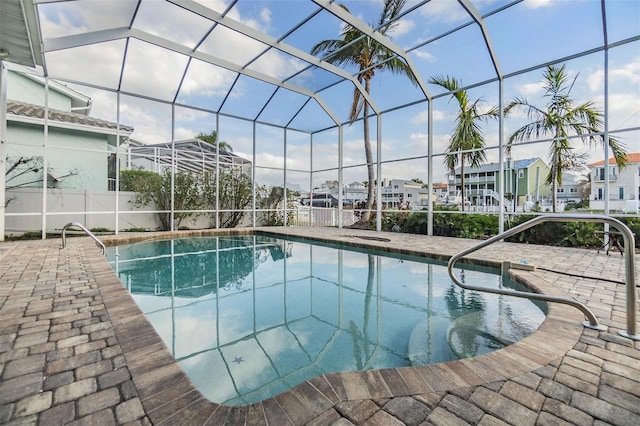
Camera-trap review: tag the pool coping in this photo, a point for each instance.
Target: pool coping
(167, 394)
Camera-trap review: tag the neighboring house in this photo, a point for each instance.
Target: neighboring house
(321, 198)
(74, 140)
(398, 193)
(191, 155)
(442, 191)
(571, 189)
(394, 192)
(354, 193)
(624, 185)
(524, 181)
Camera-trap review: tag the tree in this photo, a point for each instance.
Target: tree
(154, 188)
(235, 194)
(354, 49)
(467, 143)
(25, 171)
(212, 138)
(561, 119)
(272, 201)
(421, 182)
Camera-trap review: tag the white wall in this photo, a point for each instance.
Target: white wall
(24, 213)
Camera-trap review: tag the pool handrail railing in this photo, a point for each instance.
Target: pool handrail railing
(592, 321)
(99, 243)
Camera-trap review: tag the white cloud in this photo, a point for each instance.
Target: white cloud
(535, 4)
(206, 80)
(423, 54)
(625, 107)
(627, 74)
(277, 65)
(418, 136)
(404, 26)
(423, 116)
(529, 89)
(265, 16)
(444, 11)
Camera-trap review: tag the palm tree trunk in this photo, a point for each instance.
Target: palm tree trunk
(462, 181)
(369, 159)
(554, 174)
(554, 189)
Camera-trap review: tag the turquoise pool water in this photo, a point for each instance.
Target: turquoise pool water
(248, 317)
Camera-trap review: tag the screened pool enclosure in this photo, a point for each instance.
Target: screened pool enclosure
(171, 114)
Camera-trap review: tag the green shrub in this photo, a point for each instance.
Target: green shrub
(135, 180)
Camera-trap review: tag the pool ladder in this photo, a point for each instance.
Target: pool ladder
(99, 243)
(592, 321)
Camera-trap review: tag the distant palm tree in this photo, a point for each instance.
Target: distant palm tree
(466, 145)
(368, 56)
(561, 119)
(212, 138)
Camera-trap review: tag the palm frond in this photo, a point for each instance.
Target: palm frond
(391, 9)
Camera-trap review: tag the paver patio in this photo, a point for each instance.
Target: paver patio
(75, 349)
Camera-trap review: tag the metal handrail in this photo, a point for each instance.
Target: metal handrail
(86, 231)
(629, 254)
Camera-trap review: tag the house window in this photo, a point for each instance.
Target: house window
(409, 195)
(395, 186)
(521, 174)
(600, 194)
(111, 172)
(560, 190)
(621, 193)
(573, 190)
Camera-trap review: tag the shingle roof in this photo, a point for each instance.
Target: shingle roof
(36, 111)
(633, 157)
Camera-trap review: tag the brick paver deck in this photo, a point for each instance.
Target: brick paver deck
(75, 349)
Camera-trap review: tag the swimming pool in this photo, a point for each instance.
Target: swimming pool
(248, 317)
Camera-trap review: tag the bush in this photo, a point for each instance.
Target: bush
(463, 225)
(134, 180)
(482, 226)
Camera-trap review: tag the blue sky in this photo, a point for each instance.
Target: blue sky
(523, 36)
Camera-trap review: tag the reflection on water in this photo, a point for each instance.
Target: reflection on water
(249, 317)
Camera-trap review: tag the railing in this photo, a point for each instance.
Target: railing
(599, 178)
(629, 254)
(496, 196)
(99, 243)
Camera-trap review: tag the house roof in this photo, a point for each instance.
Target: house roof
(23, 109)
(633, 157)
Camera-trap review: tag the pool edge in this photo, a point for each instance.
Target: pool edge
(165, 390)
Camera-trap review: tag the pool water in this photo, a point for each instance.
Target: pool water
(248, 317)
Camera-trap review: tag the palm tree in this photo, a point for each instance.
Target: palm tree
(354, 49)
(466, 145)
(561, 119)
(212, 138)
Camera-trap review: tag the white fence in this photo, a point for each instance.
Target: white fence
(94, 209)
(321, 216)
(97, 209)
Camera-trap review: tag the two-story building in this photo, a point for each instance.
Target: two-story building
(407, 194)
(571, 190)
(524, 181)
(73, 139)
(623, 188)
